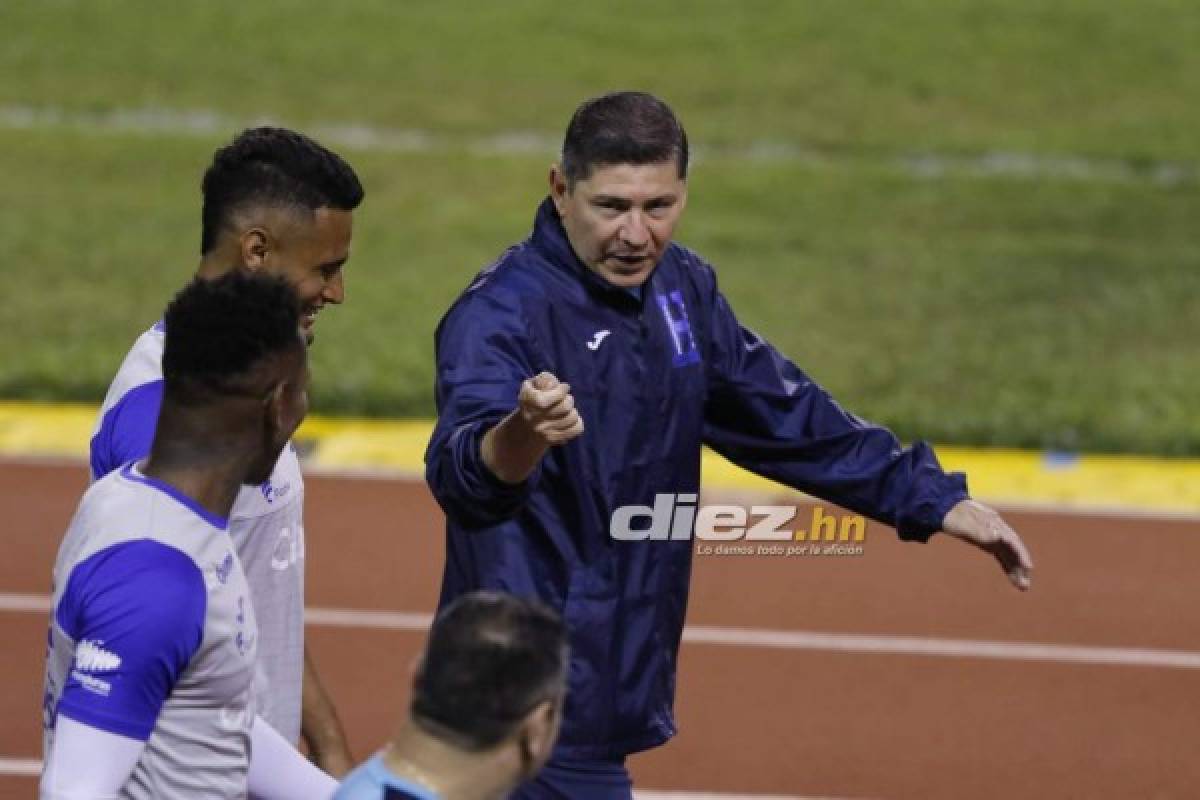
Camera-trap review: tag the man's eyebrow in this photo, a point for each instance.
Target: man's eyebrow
(333, 264)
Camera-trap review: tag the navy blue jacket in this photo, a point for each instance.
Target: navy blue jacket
(675, 371)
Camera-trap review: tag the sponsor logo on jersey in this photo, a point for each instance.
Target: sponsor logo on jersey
(90, 658)
(598, 339)
(271, 492)
(223, 569)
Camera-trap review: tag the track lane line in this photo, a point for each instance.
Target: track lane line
(883, 644)
(24, 767)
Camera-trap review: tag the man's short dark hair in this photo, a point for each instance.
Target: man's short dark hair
(220, 330)
(490, 660)
(273, 167)
(622, 128)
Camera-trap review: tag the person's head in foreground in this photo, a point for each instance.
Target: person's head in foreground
(621, 184)
(276, 201)
(486, 704)
(235, 374)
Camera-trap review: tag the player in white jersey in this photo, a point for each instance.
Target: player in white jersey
(278, 203)
(149, 687)
(486, 705)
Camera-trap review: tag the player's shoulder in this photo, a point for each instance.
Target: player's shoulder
(125, 505)
(514, 274)
(113, 498)
(141, 366)
(143, 362)
(503, 288)
(141, 583)
(123, 533)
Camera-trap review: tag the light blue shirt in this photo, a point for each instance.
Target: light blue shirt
(372, 780)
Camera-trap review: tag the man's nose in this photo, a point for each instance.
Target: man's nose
(335, 289)
(634, 232)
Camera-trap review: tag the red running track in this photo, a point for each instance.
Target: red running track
(776, 716)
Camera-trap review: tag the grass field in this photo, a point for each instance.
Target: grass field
(974, 222)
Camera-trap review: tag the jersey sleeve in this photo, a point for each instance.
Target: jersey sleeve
(127, 429)
(136, 614)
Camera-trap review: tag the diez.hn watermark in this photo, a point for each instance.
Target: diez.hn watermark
(736, 530)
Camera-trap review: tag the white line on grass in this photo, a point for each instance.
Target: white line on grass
(775, 639)
(153, 120)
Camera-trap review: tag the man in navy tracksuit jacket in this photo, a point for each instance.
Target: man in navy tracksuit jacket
(581, 373)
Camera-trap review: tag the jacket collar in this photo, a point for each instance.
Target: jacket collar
(550, 239)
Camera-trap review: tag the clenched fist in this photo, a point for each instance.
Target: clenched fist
(545, 417)
(548, 409)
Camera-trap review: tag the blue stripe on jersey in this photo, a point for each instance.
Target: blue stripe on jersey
(136, 613)
(127, 429)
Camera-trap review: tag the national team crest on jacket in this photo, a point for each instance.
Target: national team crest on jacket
(675, 315)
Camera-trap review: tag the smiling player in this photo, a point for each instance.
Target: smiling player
(278, 203)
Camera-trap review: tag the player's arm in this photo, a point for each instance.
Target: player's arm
(279, 771)
(484, 357)
(136, 614)
(766, 415)
(320, 726)
(88, 763)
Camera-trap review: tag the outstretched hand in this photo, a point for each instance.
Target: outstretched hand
(976, 524)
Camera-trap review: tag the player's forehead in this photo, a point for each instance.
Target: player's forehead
(325, 231)
(633, 182)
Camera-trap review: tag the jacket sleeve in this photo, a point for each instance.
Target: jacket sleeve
(483, 356)
(764, 414)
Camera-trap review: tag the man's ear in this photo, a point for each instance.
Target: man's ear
(273, 410)
(558, 187)
(255, 245)
(536, 735)
(416, 668)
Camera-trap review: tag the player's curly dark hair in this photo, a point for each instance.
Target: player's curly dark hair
(622, 128)
(219, 330)
(491, 658)
(273, 167)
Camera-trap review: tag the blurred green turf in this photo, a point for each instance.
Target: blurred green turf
(983, 309)
(1099, 77)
